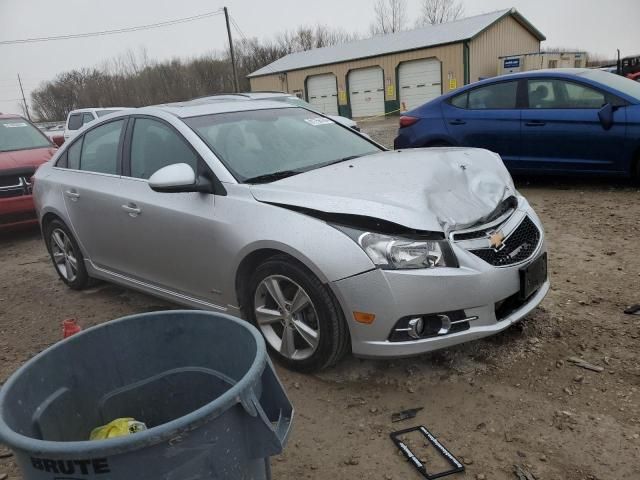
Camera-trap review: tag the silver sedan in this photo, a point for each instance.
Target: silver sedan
(321, 238)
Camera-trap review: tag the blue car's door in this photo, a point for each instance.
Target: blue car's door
(562, 133)
(486, 117)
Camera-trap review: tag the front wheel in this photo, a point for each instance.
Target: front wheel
(298, 316)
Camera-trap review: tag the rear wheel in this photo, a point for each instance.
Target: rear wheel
(297, 315)
(66, 255)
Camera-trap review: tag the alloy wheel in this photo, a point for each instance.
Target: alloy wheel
(64, 257)
(287, 317)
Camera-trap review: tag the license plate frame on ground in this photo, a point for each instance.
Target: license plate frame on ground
(456, 466)
(533, 276)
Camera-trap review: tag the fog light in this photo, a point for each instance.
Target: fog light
(416, 327)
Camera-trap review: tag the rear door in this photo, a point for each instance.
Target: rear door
(561, 131)
(487, 117)
(171, 238)
(91, 188)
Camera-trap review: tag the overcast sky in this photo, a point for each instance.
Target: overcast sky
(593, 25)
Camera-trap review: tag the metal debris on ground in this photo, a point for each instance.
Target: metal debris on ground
(578, 362)
(405, 414)
(633, 309)
(522, 473)
(456, 466)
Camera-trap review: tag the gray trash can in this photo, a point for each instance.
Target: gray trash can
(202, 382)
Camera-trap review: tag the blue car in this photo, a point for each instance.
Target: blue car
(560, 121)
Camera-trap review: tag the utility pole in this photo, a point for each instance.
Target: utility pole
(233, 58)
(26, 105)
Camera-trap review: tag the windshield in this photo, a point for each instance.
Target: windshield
(262, 142)
(616, 82)
(102, 113)
(18, 134)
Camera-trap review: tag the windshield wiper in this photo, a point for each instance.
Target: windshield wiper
(271, 177)
(340, 160)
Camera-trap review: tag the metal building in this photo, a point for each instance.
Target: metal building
(536, 60)
(399, 71)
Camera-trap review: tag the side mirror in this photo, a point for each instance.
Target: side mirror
(178, 177)
(605, 114)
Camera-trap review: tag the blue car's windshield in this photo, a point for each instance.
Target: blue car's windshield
(616, 82)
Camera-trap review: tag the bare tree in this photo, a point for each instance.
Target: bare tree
(390, 16)
(439, 11)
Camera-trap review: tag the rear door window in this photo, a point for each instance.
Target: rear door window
(496, 96)
(75, 121)
(100, 148)
(155, 145)
(460, 101)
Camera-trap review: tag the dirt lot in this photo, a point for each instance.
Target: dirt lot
(513, 399)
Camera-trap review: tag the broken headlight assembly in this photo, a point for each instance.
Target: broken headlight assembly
(402, 253)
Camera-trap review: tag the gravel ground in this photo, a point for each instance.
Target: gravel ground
(510, 400)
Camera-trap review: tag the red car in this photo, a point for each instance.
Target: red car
(23, 148)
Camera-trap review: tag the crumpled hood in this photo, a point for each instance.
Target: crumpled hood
(428, 189)
(25, 158)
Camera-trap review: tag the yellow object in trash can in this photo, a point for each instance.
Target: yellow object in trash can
(117, 428)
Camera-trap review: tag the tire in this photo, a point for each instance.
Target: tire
(66, 256)
(321, 314)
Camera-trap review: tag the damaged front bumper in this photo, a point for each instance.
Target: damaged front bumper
(476, 300)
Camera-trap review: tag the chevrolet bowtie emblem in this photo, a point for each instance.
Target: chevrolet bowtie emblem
(496, 240)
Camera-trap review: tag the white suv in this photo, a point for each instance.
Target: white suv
(77, 118)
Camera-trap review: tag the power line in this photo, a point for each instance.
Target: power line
(247, 42)
(114, 31)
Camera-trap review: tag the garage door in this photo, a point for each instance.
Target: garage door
(420, 81)
(366, 92)
(323, 93)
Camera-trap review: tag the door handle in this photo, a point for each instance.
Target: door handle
(457, 122)
(132, 209)
(535, 123)
(72, 195)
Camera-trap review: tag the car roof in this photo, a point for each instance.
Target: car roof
(195, 109)
(96, 109)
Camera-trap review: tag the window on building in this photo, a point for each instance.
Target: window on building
(553, 63)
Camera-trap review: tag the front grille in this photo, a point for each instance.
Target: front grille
(472, 235)
(9, 181)
(517, 247)
(15, 185)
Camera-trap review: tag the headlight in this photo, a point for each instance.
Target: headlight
(395, 252)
